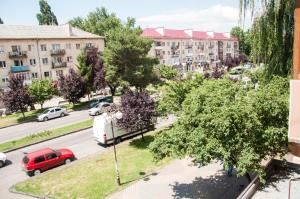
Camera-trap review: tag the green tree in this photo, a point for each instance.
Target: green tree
(126, 61)
(244, 40)
(222, 121)
(1, 22)
(85, 70)
(41, 91)
(46, 16)
(167, 72)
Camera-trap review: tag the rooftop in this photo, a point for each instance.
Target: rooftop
(163, 33)
(43, 32)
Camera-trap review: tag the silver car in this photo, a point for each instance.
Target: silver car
(99, 108)
(52, 113)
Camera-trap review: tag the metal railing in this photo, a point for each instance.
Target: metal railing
(59, 64)
(15, 54)
(58, 52)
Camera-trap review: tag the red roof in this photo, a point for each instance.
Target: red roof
(181, 34)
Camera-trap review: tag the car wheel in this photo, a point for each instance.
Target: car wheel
(68, 161)
(37, 172)
(2, 164)
(45, 119)
(62, 115)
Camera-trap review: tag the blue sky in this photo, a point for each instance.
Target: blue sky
(213, 15)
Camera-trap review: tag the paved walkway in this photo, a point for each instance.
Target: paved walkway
(180, 179)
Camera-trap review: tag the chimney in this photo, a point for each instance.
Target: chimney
(160, 30)
(68, 29)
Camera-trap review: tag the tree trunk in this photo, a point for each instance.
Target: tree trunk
(42, 105)
(296, 55)
(112, 90)
(23, 114)
(248, 177)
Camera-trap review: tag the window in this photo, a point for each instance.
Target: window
(168, 43)
(55, 46)
(32, 61)
(59, 72)
(77, 46)
(69, 59)
(39, 159)
(2, 64)
(57, 109)
(51, 156)
(2, 49)
(89, 45)
(68, 46)
(57, 59)
(30, 47)
(5, 79)
(47, 74)
(43, 47)
(34, 75)
(45, 61)
(18, 62)
(25, 160)
(16, 48)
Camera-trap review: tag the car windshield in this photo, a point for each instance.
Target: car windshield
(46, 111)
(57, 152)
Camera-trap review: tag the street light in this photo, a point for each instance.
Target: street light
(118, 116)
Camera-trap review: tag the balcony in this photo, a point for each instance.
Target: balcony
(17, 54)
(58, 52)
(59, 65)
(19, 69)
(174, 47)
(188, 46)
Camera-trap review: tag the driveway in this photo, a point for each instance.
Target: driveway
(25, 129)
(181, 179)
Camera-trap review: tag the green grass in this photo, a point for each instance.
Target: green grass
(44, 135)
(30, 115)
(94, 177)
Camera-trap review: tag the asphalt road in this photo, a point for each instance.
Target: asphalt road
(25, 129)
(81, 143)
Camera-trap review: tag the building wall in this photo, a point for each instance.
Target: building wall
(176, 51)
(32, 48)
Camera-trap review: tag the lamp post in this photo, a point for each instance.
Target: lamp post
(118, 116)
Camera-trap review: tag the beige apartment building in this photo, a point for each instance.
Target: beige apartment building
(188, 47)
(37, 52)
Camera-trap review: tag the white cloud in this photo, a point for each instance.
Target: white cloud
(215, 18)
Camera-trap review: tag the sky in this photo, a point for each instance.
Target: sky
(211, 15)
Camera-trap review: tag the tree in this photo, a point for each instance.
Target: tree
(138, 110)
(126, 61)
(1, 22)
(72, 86)
(222, 121)
(17, 98)
(46, 16)
(41, 90)
(243, 37)
(167, 72)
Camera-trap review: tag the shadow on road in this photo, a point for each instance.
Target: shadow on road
(213, 187)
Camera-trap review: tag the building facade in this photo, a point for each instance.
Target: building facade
(38, 52)
(177, 47)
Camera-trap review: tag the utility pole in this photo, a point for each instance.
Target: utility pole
(296, 55)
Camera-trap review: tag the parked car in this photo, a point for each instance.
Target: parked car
(52, 113)
(99, 108)
(107, 99)
(2, 159)
(36, 162)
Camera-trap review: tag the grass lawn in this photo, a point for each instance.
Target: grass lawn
(94, 177)
(30, 115)
(45, 135)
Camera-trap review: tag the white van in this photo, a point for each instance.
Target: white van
(102, 130)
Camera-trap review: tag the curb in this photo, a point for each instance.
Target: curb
(13, 190)
(21, 147)
(31, 120)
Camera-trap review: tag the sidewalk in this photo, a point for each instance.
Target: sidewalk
(180, 179)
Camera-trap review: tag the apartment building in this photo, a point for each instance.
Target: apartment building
(188, 47)
(34, 52)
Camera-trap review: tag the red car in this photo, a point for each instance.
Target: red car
(36, 162)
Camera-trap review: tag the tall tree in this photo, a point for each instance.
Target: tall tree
(244, 40)
(1, 22)
(72, 86)
(46, 16)
(17, 98)
(41, 90)
(222, 121)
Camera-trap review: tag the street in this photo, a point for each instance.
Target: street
(25, 129)
(81, 143)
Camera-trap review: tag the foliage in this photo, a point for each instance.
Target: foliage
(175, 93)
(244, 39)
(221, 120)
(272, 36)
(17, 98)
(167, 72)
(1, 22)
(138, 110)
(46, 16)
(41, 90)
(72, 86)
